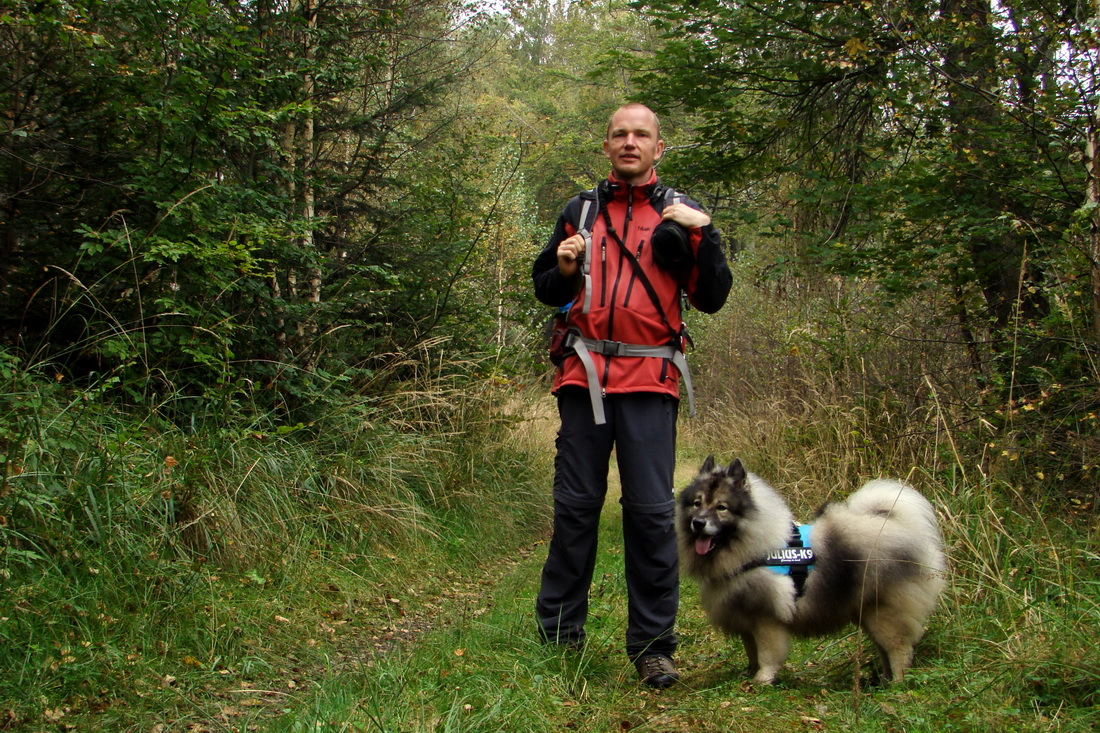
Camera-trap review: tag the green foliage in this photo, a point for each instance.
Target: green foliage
(887, 166)
(231, 185)
(923, 153)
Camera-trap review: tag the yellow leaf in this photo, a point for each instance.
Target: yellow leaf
(855, 47)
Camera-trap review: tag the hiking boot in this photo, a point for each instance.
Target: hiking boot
(657, 671)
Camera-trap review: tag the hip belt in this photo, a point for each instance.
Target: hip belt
(585, 347)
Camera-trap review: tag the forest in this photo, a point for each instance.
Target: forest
(275, 425)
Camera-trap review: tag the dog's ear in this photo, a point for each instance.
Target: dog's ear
(708, 465)
(736, 472)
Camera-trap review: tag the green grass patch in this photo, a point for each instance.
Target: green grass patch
(1009, 649)
(206, 576)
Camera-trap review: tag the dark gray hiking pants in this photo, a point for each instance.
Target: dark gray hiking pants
(642, 430)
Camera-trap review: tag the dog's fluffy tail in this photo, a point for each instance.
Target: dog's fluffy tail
(893, 499)
(901, 506)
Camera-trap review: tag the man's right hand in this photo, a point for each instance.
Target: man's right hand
(569, 253)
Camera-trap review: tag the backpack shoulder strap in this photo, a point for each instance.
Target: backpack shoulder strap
(665, 195)
(590, 207)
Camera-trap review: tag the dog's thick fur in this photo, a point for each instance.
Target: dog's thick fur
(879, 564)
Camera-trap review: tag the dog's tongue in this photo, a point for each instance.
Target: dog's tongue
(703, 545)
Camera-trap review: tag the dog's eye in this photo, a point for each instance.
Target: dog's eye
(697, 503)
(722, 507)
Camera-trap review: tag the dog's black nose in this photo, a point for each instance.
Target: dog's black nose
(698, 525)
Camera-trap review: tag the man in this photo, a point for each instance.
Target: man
(618, 385)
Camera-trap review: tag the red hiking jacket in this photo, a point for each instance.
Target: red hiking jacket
(620, 309)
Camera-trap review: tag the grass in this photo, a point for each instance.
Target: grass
(1011, 648)
(368, 574)
(200, 578)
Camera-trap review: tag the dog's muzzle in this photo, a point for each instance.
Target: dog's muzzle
(704, 535)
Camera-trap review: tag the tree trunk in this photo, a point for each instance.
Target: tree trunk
(1092, 197)
(309, 157)
(998, 257)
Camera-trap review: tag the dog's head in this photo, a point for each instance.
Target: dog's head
(713, 509)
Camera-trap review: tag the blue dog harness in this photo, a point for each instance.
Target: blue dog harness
(795, 560)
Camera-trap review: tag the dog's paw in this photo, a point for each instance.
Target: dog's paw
(764, 677)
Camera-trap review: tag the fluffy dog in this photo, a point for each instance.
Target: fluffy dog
(879, 563)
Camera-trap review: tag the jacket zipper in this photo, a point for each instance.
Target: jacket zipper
(638, 255)
(603, 271)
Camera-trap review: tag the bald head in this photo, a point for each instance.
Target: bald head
(633, 144)
(637, 107)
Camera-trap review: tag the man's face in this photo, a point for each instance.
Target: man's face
(632, 144)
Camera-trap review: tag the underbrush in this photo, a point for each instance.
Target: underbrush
(154, 574)
(1010, 648)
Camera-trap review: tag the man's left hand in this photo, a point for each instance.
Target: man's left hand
(685, 215)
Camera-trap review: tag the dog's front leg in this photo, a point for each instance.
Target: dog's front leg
(773, 644)
(750, 652)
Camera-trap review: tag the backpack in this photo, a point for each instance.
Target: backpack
(566, 339)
